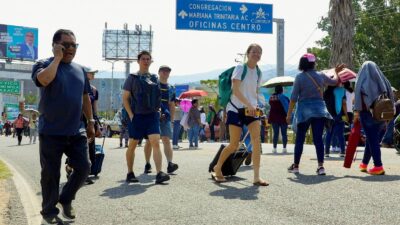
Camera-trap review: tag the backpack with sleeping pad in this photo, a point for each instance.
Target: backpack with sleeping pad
(225, 84)
(145, 94)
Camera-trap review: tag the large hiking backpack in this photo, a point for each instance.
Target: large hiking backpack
(225, 84)
(147, 95)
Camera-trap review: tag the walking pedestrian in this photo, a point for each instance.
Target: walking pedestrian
(33, 125)
(211, 118)
(277, 117)
(19, 127)
(123, 135)
(167, 116)
(370, 84)
(242, 110)
(64, 91)
(194, 123)
(142, 100)
(177, 125)
(310, 110)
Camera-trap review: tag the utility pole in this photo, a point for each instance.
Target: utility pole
(280, 46)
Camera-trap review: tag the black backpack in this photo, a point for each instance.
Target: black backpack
(147, 95)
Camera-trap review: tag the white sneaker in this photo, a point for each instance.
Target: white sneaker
(274, 150)
(175, 147)
(284, 151)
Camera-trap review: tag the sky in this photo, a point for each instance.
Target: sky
(185, 51)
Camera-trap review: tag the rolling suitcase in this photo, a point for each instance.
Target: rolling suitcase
(98, 162)
(99, 158)
(233, 162)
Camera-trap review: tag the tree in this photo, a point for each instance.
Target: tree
(342, 20)
(376, 37)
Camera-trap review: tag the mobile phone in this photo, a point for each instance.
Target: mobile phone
(247, 112)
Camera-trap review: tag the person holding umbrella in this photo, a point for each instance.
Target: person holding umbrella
(277, 116)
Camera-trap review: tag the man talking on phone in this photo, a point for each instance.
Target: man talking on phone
(64, 92)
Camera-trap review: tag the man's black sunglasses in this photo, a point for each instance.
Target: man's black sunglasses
(68, 45)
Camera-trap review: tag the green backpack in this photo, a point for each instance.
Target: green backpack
(225, 84)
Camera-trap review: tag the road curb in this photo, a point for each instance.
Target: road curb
(29, 200)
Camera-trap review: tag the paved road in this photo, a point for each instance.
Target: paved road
(344, 196)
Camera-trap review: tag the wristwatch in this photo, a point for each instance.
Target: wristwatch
(92, 121)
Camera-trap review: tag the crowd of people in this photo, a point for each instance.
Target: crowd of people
(151, 111)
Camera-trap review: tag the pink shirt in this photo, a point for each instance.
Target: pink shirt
(19, 123)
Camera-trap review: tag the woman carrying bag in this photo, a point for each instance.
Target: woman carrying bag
(311, 109)
(370, 85)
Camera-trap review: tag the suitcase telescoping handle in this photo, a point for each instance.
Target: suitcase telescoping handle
(104, 136)
(242, 142)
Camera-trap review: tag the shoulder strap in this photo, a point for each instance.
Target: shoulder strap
(245, 72)
(315, 83)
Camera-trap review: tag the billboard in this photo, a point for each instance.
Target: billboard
(18, 42)
(126, 44)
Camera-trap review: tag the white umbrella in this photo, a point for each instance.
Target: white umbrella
(282, 80)
(29, 112)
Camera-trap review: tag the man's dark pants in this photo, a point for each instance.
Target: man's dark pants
(51, 149)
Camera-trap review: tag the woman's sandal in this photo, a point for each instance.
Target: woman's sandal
(218, 179)
(260, 183)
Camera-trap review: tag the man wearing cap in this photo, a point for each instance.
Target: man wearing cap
(166, 117)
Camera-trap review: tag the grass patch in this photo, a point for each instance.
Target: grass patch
(4, 171)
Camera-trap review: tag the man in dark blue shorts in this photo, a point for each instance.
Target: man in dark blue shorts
(142, 101)
(167, 115)
(64, 91)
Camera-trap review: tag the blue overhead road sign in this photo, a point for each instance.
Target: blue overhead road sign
(223, 16)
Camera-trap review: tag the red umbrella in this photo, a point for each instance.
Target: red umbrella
(352, 144)
(193, 93)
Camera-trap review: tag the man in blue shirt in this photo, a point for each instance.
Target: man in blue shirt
(167, 115)
(64, 95)
(28, 50)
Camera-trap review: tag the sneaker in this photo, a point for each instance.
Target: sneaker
(326, 155)
(130, 178)
(68, 170)
(68, 211)
(341, 155)
(172, 167)
(175, 147)
(363, 167)
(274, 150)
(377, 170)
(51, 220)
(147, 168)
(293, 169)
(161, 177)
(89, 181)
(321, 170)
(284, 151)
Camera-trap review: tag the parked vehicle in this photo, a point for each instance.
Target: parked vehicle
(113, 126)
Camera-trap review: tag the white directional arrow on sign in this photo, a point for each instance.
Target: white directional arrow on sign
(243, 9)
(183, 14)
